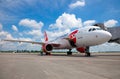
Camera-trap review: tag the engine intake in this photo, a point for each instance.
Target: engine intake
(47, 47)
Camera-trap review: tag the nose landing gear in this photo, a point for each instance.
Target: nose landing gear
(69, 52)
(87, 52)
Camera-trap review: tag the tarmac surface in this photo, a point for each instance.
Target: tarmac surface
(34, 66)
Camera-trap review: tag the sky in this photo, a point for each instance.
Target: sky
(28, 19)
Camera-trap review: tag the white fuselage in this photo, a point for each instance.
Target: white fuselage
(87, 36)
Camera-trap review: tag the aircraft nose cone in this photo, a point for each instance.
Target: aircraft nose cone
(107, 35)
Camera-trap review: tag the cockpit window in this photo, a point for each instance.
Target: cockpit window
(98, 28)
(93, 29)
(89, 30)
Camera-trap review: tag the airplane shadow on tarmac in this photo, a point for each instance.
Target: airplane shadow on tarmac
(79, 55)
(75, 55)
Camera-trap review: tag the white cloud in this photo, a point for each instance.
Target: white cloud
(35, 28)
(10, 45)
(52, 35)
(1, 27)
(64, 24)
(35, 32)
(5, 35)
(13, 45)
(110, 23)
(80, 3)
(66, 21)
(25, 39)
(89, 22)
(31, 23)
(14, 28)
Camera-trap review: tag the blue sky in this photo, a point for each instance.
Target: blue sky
(28, 19)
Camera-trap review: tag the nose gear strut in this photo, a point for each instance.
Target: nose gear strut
(87, 52)
(69, 52)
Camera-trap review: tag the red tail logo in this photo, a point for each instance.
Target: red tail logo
(72, 36)
(45, 36)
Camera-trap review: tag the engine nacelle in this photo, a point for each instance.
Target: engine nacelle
(47, 47)
(81, 49)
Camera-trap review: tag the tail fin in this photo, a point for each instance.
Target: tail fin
(45, 36)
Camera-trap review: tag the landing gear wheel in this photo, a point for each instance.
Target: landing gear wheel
(87, 52)
(69, 52)
(48, 53)
(41, 53)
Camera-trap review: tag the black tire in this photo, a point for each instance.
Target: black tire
(69, 53)
(48, 53)
(41, 53)
(88, 54)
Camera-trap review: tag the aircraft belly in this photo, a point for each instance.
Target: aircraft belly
(64, 44)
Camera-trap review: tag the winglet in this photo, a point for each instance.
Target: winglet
(45, 36)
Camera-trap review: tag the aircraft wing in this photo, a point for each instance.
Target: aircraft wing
(32, 42)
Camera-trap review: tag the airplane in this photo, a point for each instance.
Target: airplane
(81, 39)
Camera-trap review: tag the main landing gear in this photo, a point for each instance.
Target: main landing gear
(41, 53)
(46, 53)
(87, 52)
(69, 52)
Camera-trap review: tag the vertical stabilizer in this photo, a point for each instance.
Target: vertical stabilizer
(45, 36)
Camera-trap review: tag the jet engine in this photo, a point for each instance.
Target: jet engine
(81, 49)
(47, 47)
